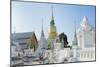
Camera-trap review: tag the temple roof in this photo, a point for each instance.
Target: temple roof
(23, 35)
(42, 44)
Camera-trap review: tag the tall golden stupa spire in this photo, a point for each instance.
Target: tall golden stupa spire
(52, 28)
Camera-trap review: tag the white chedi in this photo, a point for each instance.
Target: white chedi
(42, 45)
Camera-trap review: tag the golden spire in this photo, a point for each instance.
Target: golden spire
(52, 18)
(52, 13)
(52, 28)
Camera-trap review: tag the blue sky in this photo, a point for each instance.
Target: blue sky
(27, 17)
